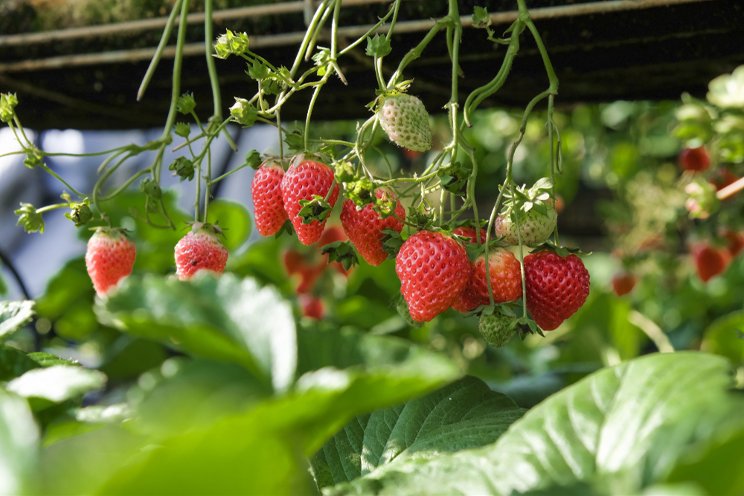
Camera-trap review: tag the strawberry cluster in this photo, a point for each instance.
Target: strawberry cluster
(435, 270)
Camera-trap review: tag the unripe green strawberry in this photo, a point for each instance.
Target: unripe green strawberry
(365, 226)
(199, 250)
(532, 210)
(433, 270)
(109, 258)
(535, 227)
(406, 122)
(497, 330)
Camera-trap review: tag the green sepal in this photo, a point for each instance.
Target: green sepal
(315, 209)
(342, 252)
(28, 218)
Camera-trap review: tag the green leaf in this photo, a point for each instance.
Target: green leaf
(14, 315)
(185, 393)
(14, 362)
(622, 427)
(717, 467)
(222, 318)
(346, 373)
(465, 414)
(239, 445)
(234, 221)
(19, 439)
(57, 383)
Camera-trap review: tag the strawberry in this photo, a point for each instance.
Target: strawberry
(469, 233)
(199, 250)
(497, 330)
(433, 270)
(365, 226)
(694, 159)
(735, 242)
(293, 261)
(623, 283)
(109, 258)
(556, 287)
(532, 210)
(312, 306)
(305, 180)
(709, 261)
(267, 198)
(406, 122)
(506, 281)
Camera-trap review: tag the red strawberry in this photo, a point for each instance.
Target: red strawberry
(709, 261)
(556, 287)
(304, 180)
(293, 261)
(469, 232)
(312, 306)
(365, 226)
(433, 270)
(735, 242)
(199, 250)
(506, 281)
(694, 159)
(623, 283)
(267, 198)
(722, 178)
(109, 258)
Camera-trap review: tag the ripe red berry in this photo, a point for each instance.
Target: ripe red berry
(267, 198)
(623, 283)
(556, 287)
(199, 250)
(469, 233)
(365, 227)
(735, 242)
(694, 159)
(304, 180)
(709, 261)
(312, 306)
(293, 261)
(109, 258)
(433, 270)
(506, 281)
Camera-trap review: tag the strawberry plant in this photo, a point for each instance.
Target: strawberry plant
(394, 343)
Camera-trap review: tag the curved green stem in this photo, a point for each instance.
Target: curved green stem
(177, 67)
(56, 176)
(159, 50)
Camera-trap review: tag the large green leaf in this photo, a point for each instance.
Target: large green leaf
(209, 431)
(465, 414)
(14, 315)
(717, 466)
(222, 318)
(18, 444)
(57, 383)
(622, 428)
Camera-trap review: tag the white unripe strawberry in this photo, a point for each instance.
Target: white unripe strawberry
(406, 122)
